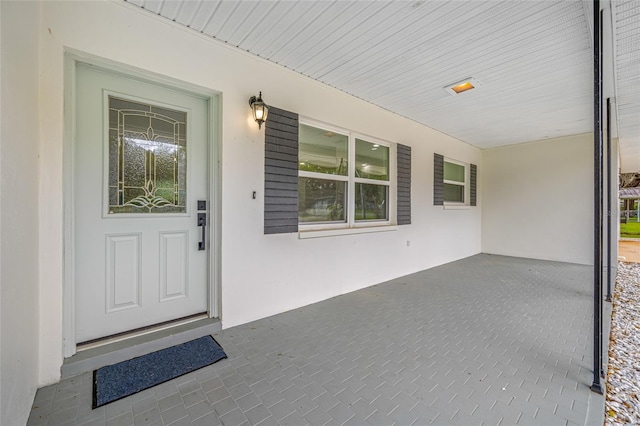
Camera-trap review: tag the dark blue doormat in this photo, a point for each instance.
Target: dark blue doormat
(118, 381)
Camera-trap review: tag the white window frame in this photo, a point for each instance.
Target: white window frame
(466, 185)
(351, 180)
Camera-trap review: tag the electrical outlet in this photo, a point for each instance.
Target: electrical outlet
(408, 243)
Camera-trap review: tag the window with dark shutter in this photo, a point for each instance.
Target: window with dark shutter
(309, 180)
(454, 182)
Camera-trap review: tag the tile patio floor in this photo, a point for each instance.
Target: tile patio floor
(485, 340)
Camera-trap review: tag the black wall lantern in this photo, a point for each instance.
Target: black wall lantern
(260, 109)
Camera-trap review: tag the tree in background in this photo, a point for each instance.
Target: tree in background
(629, 180)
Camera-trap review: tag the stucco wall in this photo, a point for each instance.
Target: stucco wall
(261, 274)
(18, 209)
(538, 200)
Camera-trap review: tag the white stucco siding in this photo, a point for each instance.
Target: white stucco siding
(19, 140)
(261, 274)
(538, 200)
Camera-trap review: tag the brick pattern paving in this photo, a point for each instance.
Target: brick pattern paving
(485, 340)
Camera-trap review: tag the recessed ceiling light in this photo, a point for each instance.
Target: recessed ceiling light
(462, 86)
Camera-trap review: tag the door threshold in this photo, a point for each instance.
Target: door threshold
(123, 348)
(94, 343)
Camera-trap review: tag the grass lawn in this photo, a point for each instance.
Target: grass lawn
(630, 230)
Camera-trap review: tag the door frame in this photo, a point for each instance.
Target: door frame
(213, 98)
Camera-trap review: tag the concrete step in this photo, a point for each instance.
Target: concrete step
(112, 353)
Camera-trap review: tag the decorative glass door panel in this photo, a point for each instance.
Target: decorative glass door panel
(147, 158)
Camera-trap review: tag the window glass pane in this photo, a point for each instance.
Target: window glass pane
(454, 172)
(322, 151)
(372, 160)
(371, 202)
(321, 200)
(453, 193)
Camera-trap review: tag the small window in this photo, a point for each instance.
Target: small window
(454, 182)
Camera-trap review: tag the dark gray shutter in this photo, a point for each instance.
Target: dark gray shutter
(403, 208)
(281, 172)
(438, 180)
(473, 173)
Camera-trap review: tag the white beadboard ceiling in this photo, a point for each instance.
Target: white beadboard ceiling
(533, 59)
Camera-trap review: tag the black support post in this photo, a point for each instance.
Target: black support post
(609, 212)
(597, 199)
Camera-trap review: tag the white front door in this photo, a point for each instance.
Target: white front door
(141, 188)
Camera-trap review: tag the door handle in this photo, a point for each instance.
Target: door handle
(202, 222)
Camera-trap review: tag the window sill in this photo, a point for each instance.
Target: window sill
(456, 207)
(319, 233)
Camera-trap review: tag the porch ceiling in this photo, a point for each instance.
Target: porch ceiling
(532, 58)
(626, 19)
